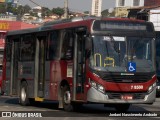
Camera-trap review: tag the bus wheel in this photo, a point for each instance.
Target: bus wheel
(122, 107)
(66, 95)
(23, 94)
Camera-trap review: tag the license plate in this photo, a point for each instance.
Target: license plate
(126, 97)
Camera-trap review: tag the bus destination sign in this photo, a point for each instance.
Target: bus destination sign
(121, 25)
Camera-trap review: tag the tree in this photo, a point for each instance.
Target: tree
(2, 9)
(86, 12)
(26, 8)
(105, 13)
(46, 12)
(20, 10)
(59, 11)
(9, 7)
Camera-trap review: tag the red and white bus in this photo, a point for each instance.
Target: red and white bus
(82, 60)
(2, 43)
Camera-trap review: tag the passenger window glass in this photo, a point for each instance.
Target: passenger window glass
(53, 46)
(67, 47)
(27, 48)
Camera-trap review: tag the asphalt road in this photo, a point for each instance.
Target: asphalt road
(48, 110)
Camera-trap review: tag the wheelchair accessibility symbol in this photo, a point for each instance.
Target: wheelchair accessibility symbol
(131, 66)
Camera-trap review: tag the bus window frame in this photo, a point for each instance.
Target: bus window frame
(70, 32)
(9, 44)
(33, 45)
(57, 44)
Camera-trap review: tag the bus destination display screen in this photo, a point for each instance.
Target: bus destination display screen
(121, 25)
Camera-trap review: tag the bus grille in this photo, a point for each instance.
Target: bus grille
(137, 78)
(118, 95)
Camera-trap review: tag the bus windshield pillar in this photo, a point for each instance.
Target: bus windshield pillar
(75, 68)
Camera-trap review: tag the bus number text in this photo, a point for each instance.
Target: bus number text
(137, 87)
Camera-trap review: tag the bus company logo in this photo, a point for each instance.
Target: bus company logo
(6, 114)
(21, 114)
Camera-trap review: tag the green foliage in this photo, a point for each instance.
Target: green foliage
(59, 11)
(86, 12)
(46, 12)
(105, 13)
(26, 8)
(20, 10)
(2, 9)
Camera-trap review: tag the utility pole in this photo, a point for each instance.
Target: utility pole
(65, 8)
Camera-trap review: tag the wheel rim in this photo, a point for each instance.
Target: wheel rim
(23, 94)
(67, 97)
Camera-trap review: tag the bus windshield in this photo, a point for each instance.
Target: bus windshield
(113, 53)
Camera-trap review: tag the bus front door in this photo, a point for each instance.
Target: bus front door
(80, 74)
(14, 67)
(40, 61)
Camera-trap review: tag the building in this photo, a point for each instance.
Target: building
(122, 6)
(129, 3)
(151, 2)
(96, 7)
(147, 13)
(8, 17)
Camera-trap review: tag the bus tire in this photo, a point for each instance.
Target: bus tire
(66, 98)
(122, 107)
(24, 100)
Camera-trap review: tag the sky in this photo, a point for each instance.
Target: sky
(74, 5)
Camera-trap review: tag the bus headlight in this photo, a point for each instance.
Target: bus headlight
(101, 88)
(93, 84)
(154, 85)
(97, 86)
(151, 87)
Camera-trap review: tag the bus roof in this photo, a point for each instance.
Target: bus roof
(66, 23)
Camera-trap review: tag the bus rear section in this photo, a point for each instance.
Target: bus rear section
(106, 61)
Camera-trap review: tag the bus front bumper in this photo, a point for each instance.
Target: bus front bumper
(95, 96)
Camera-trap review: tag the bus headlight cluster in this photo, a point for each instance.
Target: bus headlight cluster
(151, 87)
(97, 86)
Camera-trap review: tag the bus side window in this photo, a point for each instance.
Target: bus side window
(27, 50)
(8, 49)
(67, 46)
(53, 46)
